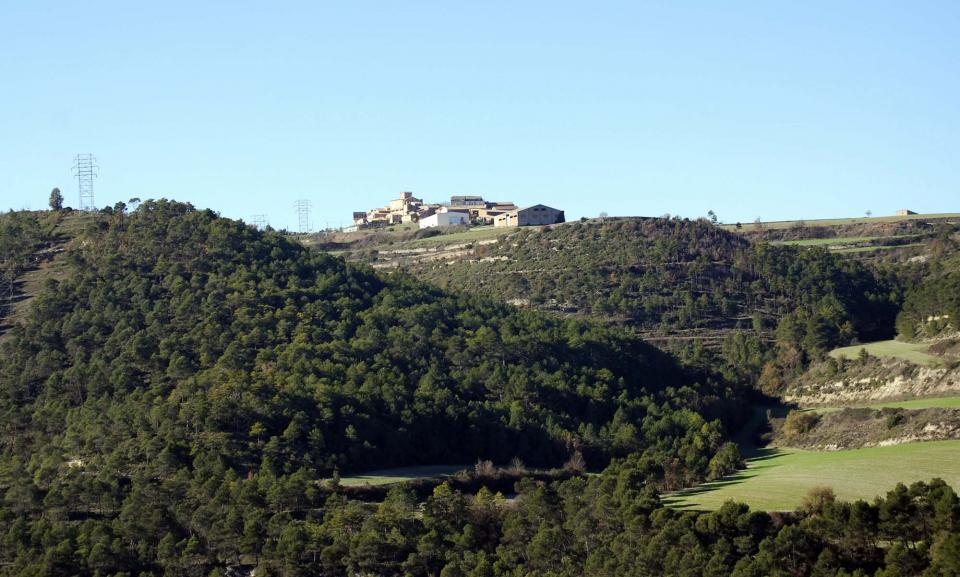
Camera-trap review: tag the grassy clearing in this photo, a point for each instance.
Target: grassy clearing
(747, 227)
(935, 403)
(913, 352)
(777, 480)
(928, 403)
(399, 475)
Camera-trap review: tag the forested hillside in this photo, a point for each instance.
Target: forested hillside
(22, 236)
(932, 307)
(671, 276)
(183, 353)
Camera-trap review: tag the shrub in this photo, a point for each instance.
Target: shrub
(484, 469)
(895, 418)
(726, 461)
(818, 499)
(799, 423)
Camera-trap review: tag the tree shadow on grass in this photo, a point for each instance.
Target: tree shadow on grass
(749, 440)
(764, 454)
(758, 455)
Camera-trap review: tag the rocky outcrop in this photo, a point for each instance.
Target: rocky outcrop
(878, 380)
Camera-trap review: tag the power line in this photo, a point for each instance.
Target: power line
(302, 207)
(85, 168)
(259, 221)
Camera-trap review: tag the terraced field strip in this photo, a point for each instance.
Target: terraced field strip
(839, 221)
(401, 474)
(913, 404)
(778, 480)
(830, 241)
(876, 248)
(913, 352)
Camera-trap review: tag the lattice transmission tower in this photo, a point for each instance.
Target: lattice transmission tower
(259, 221)
(85, 169)
(303, 214)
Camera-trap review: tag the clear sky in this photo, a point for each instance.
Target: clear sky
(765, 109)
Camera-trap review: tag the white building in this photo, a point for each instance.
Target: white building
(450, 218)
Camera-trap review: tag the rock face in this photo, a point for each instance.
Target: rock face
(884, 380)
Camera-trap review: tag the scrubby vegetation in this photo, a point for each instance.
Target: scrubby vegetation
(798, 423)
(21, 236)
(854, 427)
(933, 307)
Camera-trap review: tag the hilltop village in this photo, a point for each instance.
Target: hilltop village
(461, 210)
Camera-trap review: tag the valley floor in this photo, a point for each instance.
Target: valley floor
(779, 479)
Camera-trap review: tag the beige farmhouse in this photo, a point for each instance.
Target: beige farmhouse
(538, 214)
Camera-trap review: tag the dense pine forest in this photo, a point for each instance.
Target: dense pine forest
(183, 346)
(184, 399)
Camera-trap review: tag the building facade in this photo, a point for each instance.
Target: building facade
(536, 215)
(447, 218)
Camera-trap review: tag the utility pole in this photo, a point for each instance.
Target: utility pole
(85, 169)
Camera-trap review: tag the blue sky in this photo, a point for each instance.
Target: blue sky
(753, 109)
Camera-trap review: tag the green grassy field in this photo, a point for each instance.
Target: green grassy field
(399, 475)
(913, 352)
(777, 480)
(927, 403)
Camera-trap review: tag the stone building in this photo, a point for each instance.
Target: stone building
(536, 215)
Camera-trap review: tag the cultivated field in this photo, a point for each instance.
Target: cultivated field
(915, 404)
(399, 475)
(777, 480)
(913, 352)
